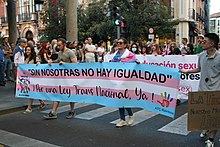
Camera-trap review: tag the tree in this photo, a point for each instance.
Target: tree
(11, 14)
(94, 21)
(54, 17)
(139, 15)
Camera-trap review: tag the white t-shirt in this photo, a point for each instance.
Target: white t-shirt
(101, 49)
(90, 47)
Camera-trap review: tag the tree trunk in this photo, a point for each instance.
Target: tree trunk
(12, 25)
(71, 20)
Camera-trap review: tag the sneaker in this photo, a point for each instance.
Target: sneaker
(27, 111)
(130, 120)
(203, 134)
(121, 123)
(70, 115)
(209, 143)
(178, 102)
(50, 116)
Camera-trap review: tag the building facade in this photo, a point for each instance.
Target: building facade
(194, 18)
(215, 23)
(27, 19)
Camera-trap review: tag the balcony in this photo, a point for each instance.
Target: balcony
(3, 20)
(24, 17)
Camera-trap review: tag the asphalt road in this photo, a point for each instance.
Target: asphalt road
(89, 129)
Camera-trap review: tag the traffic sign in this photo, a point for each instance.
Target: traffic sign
(151, 30)
(151, 36)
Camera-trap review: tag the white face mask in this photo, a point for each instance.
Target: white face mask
(134, 49)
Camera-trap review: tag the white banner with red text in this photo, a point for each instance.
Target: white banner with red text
(188, 82)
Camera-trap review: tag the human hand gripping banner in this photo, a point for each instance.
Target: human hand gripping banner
(114, 85)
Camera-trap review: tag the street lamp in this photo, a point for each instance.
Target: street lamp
(38, 9)
(38, 5)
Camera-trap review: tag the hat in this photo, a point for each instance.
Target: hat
(200, 35)
(22, 41)
(43, 40)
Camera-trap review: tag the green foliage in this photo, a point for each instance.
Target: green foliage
(55, 18)
(139, 15)
(94, 21)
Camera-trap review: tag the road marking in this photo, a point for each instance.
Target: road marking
(178, 126)
(12, 139)
(95, 113)
(67, 108)
(139, 117)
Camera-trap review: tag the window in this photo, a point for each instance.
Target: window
(25, 8)
(212, 23)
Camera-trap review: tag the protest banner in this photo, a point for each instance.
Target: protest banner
(204, 110)
(110, 84)
(188, 82)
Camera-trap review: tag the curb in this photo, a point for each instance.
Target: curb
(15, 109)
(11, 110)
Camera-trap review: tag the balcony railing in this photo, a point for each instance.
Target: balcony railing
(24, 17)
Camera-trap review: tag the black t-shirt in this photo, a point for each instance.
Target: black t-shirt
(176, 51)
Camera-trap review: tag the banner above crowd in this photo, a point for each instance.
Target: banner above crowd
(110, 84)
(188, 82)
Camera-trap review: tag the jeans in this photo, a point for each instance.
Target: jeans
(8, 68)
(122, 112)
(2, 73)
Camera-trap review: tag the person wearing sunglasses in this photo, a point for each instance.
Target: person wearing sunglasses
(174, 50)
(209, 66)
(124, 55)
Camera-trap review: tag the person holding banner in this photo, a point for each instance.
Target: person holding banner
(124, 55)
(209, 66)
(65, 55)
(30, 58)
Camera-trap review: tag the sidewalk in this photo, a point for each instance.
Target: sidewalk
(8, 102)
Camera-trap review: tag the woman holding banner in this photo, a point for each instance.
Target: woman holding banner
(124, 55)
(30, 58)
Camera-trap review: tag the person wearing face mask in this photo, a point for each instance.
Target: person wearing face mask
(134, 48)
(124, 55)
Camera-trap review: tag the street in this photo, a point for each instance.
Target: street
(94, 125)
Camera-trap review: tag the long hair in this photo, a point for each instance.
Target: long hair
(32, 55)
(157, 48)
(137, 51)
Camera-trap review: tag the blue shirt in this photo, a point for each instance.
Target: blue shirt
(1, 55)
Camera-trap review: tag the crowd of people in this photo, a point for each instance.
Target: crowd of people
(44, 50)
(61, 51)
